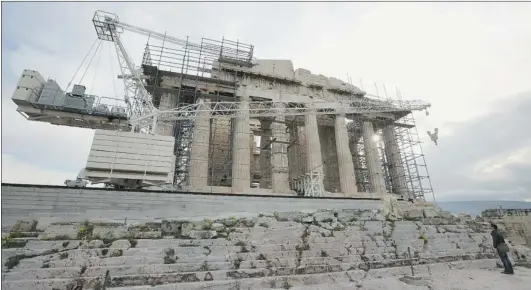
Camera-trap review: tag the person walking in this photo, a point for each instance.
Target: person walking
(501, 247)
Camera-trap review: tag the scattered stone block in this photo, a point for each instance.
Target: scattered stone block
(414, 213)
(307, 219)
(60, 232)
(290, 216)
(171, 226)
(415, 280)
(371, 215)
(229, 222)
(198, 234)
(247, 222)
(218, 227)
(431, 212)
(92, 244)
(186, 229)
(110, 232)
(120, 244)
(324, 216)
(25, 226)
(348, 215)
(145, 235)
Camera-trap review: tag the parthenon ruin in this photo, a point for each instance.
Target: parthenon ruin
(321, 152)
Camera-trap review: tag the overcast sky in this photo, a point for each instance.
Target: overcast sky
(472, 61)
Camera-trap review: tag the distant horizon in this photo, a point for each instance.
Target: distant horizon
(478, 206)
(489, 200)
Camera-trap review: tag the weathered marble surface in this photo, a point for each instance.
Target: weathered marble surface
(268, 251)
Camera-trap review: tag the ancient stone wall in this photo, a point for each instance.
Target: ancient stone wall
(498, 212)
(62, 203)
(277, 250)
(519, 227)
(345, 243)
(517, 223)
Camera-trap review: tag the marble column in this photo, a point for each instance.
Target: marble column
(279, 154)
(302, 150)
(398, 176)
(314, 160)
(347, 178)
(353, 145)
(293, 149)
(372, 159)
(198, 171)
(167, 102)
(265, 154)
(241, 151)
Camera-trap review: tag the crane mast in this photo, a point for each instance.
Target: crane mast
(138, 100)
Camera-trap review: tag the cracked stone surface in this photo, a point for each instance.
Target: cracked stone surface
(353, 249)
(453, 280)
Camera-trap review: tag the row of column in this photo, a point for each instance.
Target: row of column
(347, 175)
(276, 155)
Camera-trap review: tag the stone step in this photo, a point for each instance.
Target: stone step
(89, 258)
(21, 234)
(278, 266)
(306, 280)
(154, 268)
(37, 245)
(140, 243)
(36, 274)
(190, 281)
(279, 244)
(270, 283)
(320, 243)
(16, 243)
(113, 256)
(189, 255)
(40, 284)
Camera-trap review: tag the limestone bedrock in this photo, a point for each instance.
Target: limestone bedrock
(273, 250)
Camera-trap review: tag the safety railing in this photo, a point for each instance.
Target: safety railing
(58, 100)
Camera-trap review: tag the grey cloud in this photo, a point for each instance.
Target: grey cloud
(522, 173)
(506, 129)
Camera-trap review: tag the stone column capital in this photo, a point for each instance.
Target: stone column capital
(340, 112)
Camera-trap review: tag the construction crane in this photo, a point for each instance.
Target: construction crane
(109, 27)
(139, 114)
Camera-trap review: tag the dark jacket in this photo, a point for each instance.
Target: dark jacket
(497, 238)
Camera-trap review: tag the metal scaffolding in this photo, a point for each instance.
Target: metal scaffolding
(416, 171)
(188, 66)
(189, 72)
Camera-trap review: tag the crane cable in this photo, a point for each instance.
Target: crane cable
(70, 83)
(112, 72)
(96, 70)
(91, 59)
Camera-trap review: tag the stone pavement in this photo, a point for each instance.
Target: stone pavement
(282, 250)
